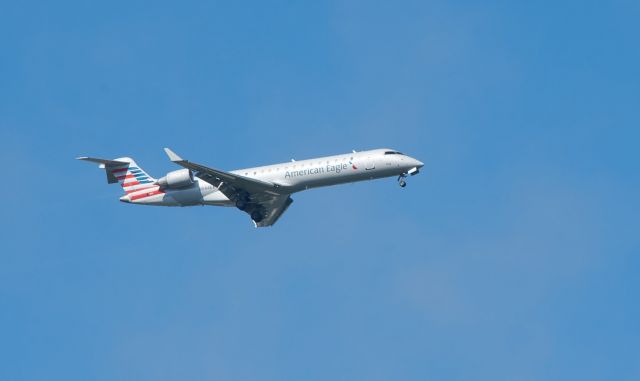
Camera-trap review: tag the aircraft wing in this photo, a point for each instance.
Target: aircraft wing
(272, 199)
(274, 207)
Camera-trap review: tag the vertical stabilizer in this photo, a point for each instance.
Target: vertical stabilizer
(129, 175)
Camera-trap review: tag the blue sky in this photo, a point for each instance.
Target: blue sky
(514, 255)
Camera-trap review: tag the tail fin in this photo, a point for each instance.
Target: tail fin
(124, 171)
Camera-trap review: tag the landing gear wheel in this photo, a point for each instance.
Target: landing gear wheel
(401, 181)
(242, 201)
(241, 204)
(257, 216)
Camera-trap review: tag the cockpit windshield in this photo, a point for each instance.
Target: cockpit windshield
(393, 153)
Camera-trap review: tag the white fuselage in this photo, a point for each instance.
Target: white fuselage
(293, 176)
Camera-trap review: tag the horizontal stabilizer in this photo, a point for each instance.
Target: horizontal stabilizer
(102, 161)
(107, 165)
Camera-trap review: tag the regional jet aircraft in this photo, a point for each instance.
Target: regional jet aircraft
(264, 193)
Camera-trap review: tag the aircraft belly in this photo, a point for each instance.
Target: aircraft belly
(159, 199)
(216, 198)
(185, 197)
(349, 177)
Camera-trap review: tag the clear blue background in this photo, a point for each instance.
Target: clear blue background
(513, 256)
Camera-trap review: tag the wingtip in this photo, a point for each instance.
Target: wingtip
(81, 158)
(172, 155)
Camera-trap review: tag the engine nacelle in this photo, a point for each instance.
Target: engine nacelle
(181, 178)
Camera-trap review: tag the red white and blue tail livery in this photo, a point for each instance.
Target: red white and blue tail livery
(262, 192)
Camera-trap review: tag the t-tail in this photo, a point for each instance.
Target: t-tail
(125, 172)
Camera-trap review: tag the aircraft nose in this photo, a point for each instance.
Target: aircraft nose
(417, 163)
(125, 198)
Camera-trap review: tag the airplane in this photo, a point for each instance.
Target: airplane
(264, 193)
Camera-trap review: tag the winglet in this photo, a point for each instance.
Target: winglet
(172, 155)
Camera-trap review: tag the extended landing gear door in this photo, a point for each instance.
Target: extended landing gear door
(371, 164)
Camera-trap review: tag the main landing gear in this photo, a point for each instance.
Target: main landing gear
(241, 204)
(243, 201)
(257, 216)
(401, 180)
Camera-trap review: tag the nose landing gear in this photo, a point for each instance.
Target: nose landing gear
(401, 180)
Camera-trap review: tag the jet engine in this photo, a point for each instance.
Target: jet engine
(181, 178)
